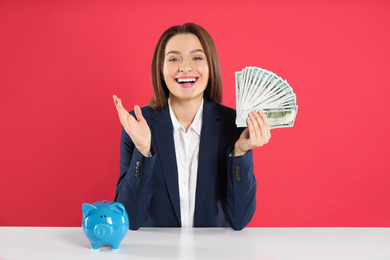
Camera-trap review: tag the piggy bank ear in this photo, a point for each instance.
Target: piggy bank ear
(87, 208)
(119, 208)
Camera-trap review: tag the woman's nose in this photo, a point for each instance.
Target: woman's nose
(185, 69)
(185, 66)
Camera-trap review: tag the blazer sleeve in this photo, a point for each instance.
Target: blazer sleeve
(135, 184)
(241, 190)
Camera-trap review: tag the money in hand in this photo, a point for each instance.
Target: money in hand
(260, 89)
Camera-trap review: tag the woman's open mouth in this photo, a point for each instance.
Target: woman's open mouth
(186, 82)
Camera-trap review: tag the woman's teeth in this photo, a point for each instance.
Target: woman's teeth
(189, 80)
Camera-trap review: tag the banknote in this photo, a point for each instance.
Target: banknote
(277, 117)
(261, 89)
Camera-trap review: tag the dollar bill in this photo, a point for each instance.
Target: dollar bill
(277, 117)
(256, 89)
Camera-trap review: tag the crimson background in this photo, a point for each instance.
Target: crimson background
(61, 62)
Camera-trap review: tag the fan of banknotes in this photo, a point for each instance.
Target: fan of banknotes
(260, 89)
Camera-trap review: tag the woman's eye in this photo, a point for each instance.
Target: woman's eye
(198, 58)
(173, 59)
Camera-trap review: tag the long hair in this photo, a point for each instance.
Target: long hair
(213, 90)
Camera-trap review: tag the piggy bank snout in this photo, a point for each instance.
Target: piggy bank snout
(105, 223)
(103, 231)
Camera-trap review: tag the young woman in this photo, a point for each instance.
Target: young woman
(183, 161)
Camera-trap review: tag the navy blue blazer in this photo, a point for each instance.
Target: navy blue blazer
(226, 186)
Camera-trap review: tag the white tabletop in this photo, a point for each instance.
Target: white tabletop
(206, 243)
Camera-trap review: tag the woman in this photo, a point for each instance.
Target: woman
(183, 161)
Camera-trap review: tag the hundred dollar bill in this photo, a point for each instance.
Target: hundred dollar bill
(277, 117)
(258, 88)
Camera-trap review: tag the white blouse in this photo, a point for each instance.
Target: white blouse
(187, 155)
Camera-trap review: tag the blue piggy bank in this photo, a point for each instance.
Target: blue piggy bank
(105, 223)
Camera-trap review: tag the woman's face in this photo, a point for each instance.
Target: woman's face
(185, 70)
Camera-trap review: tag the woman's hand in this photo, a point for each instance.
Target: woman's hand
(255, 135)
(137, 129)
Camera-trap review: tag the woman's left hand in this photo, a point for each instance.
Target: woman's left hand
(255, 135)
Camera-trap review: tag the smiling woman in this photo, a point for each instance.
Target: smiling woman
(197, 35)
(193, 58)
(183, 160)
(186, 73)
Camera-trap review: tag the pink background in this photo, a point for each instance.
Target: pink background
(61, 62)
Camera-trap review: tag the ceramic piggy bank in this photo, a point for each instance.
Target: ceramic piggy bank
(105, 223)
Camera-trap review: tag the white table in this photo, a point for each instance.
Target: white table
(206, 243)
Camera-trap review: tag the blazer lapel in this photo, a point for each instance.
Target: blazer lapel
(162, 131)
(208, 149)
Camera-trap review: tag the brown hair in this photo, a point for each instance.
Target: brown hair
(213, 90)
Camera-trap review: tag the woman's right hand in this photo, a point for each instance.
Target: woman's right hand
(136, 128)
